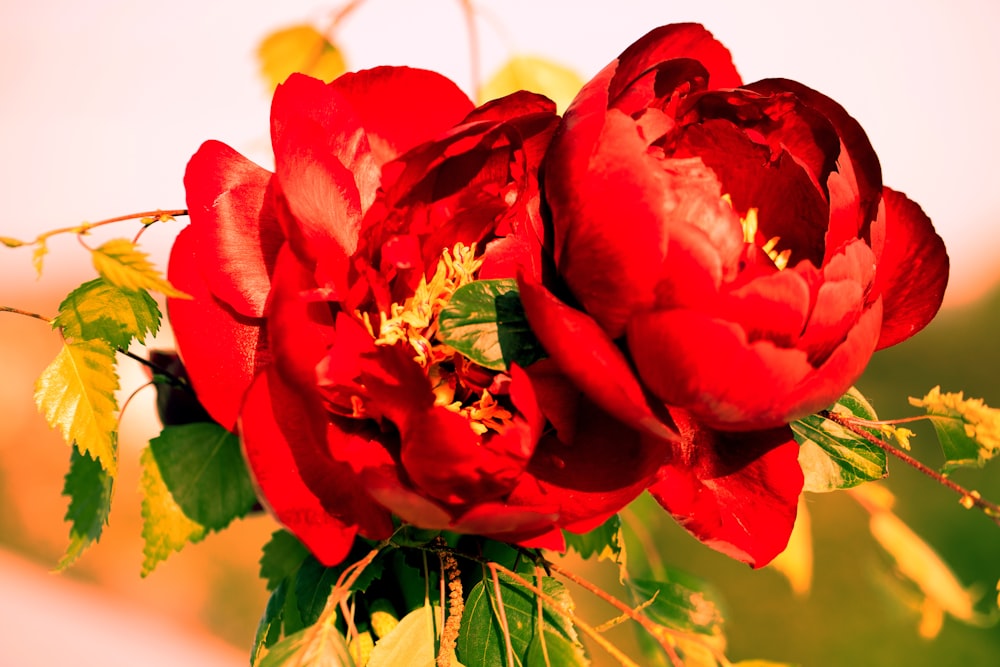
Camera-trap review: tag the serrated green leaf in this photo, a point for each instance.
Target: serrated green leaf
(485, 321)
(833, 457)
(314, 581)
(282, 556)
(76, 394)
(605, 541)
(97, 310)
(269, 626)
(121, 264)
(680, 601)
(967, 429)
(411, 642)
(165, 527)
(203, 467)
(481, 642)
(90, 489)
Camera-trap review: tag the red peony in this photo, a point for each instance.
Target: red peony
(737, 243)
(313, 328)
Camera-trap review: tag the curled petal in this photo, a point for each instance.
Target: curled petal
(912, 272)
(736, 492)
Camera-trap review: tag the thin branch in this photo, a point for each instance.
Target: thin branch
(969, 498)
(18, 311)
(85, 227)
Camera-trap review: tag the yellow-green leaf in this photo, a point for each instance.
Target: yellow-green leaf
(967, 428)
(38, 255)
(11, 242)
(76, 394)
(165, 527)
(120, 263)
(557, 82)
(796, 561)
(89, 488)
(299, 48)
(97, 310)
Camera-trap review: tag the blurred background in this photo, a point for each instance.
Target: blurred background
(104, 102)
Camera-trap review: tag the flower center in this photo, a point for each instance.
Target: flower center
(415, 323)
(749, 224)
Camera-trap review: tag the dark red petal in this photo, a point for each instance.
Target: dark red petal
(401, 107)
(221, 349)
(229, 203)
(678, 40)
(912, 272)
(857, 162)
(317, 499)
(736, 492)
(589, 358)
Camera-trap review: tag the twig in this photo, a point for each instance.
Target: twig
(969, 498)
(85, 227)
(18, 311)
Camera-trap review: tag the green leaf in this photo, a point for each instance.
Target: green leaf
(481, 640)
(485, 321)
(269, 626)
(165, 527)
(967, 428)
(76, 394)
(556, 650)
(605, 541)
(122, 265)
(411, 642)
(282, 556)
(90, 489)
(97, 310)
(38, 256)
(682, 602)
(203, 467)
(833, 457)
(318, 646)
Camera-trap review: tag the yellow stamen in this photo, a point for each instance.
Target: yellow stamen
(415, 320)
(750, 227)
(484, 414)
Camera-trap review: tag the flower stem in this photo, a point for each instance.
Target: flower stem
(969, 498)
(18, 311)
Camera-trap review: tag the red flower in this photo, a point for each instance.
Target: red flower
(313, 328)
(737, 242)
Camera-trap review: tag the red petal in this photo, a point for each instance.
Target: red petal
(400, 107)
(320, 500)
(230, 207)
(912, 271)
(704, 364)
(221, 349)
(589, 358)
(324, 166)
(737, 493)
(300, 330)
